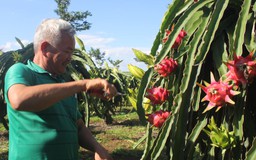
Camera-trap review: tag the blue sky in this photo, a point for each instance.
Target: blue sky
(117, 26)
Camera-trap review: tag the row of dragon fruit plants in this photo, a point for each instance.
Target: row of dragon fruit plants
(199, 88)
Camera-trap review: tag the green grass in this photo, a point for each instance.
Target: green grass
(3, 146)
(2, 127)
(3, 143)
(121, 136)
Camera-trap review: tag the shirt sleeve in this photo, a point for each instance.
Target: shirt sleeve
(18, 73)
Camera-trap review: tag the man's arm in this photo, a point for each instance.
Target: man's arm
(39, 97)
(87, 141)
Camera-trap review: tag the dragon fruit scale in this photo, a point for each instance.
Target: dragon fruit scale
(217, 93)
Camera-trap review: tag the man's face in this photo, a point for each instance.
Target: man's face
(61, 55)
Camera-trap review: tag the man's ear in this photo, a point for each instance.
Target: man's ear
(44, 47)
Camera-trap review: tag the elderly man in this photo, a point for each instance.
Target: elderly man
(42, 109)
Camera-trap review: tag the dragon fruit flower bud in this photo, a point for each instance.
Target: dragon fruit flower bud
(157, 95)
(220, 136)
(166, 67)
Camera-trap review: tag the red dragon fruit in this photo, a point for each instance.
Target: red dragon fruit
(166, 36)
(178, 40)
(166, 67)
(158, 118)
(157, 95)
(241, 70)
(218, 94)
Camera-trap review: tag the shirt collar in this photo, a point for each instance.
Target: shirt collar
(36, 68)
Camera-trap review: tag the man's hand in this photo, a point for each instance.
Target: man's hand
(102, 154)
(101, 88)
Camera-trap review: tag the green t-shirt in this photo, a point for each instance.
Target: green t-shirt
(48, 134)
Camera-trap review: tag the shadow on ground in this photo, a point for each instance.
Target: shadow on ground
(125, 154)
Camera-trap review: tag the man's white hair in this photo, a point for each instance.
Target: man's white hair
(51, 30)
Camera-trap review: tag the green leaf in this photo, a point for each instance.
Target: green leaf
(80, 43)
(143, 57)
(136, 71)
(20, 43)
(211, 153)
(241, 27)
(161, 139)
(251, 154)
(84, 58)
(148, 143)
(195, 21)
(250, 39)
(238, 122)
(170, 14)
(220, 55)
(133, 101)
(156, 44)
(142, 90)
(201, 123)
(143, 138)
(216, 17)
(178, 26)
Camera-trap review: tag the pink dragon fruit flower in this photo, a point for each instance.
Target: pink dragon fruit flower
(218, 94)
(166, 67)
(158, 118)
(241, 70)
(157, 95)
(178, 40)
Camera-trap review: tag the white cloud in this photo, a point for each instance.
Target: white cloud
(116, 53)
(126, 54)
(95, 41)
(8, 46)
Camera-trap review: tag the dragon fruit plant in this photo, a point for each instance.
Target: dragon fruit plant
(209, 40)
